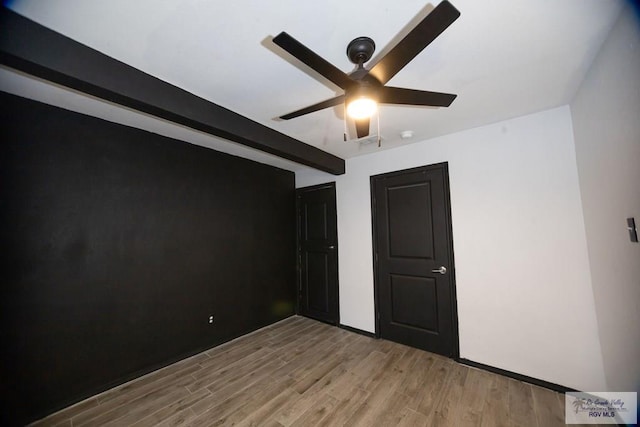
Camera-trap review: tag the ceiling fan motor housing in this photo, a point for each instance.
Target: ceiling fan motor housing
(361, 90)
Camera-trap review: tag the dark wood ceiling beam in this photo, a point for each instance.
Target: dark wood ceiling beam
(34, 49)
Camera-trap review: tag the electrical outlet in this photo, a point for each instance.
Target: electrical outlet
(211, 319)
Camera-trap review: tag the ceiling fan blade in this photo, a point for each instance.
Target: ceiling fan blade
(398, 95)
(313, 60)
(315, 107)
(420, 37)
(362, 127)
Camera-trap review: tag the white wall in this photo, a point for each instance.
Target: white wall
(524, 290)
(606, 120)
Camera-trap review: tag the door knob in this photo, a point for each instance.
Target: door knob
(441, 270)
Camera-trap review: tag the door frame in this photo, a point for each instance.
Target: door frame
(299, 191)
(444, 166)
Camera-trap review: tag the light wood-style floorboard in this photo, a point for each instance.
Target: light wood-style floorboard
(300, 372)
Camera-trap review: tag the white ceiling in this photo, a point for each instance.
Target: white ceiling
(504, 58)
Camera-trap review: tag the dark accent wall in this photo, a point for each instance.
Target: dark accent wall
(117, 245)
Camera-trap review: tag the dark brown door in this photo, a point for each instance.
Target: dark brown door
(415, 298)
(318, 253)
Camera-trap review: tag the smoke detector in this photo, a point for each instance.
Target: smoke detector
(406, 134)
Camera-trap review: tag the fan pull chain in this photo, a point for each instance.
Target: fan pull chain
(379, 137)
(344, 121)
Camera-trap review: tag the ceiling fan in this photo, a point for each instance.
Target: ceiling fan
(365, 88)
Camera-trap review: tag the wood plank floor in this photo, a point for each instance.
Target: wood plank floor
(299, 372)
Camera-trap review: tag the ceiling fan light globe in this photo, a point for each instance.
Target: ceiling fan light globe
(361, 108)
